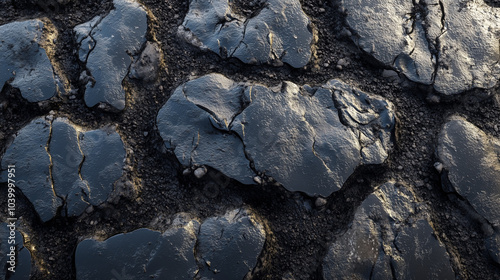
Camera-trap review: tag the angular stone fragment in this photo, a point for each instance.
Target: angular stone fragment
(22, 257)
(106, 45)
(280, 31)
(29, 154)
(390, 237)
(304, 145)
(58, 162)
(229, 246)
(26, 50)
(430, 41)
(473, 164)
(223, 247)
(141, 254)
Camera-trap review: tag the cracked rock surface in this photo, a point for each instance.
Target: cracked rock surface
(472, 161)
(23, 257)
(473, 164)
(313, 144)
(429, 41)
(228, 246)
(60, 163)
(390, 237)
(279, 31)
(26, 49)
(220, 248)
(107, 44)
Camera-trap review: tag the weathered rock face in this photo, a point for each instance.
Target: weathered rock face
(25, 58)
(229, 245)
(58, 161)
(106, 45)
(430, 40)
(471, 158)
(23, 256)
(226, 247)
(390, 237)
(280, 31)
(472, 161)
(312, 144)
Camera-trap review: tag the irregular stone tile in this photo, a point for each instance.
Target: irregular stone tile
(472, 161)
(22, 262)
(106, 45)
(29, 154)
(192, 131)
(430, 41)
(233, 126)
(280, 31)
(229, 246)
(141, 254)
(390, 237)
(26, 49)
(471, 158)
(58, 162)
(220, 248)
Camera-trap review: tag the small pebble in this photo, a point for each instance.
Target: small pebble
(320, 202)
(200, 172)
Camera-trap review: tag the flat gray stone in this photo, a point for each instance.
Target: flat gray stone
(305, 145)
(390, 237)
(141, 254)
(280, 31)
(24, 49)
(471, 158)
(224, 247)
(106, 45)
(58, 161)
(29, 154)
(229, 246)
(429, 40)
(22, 263)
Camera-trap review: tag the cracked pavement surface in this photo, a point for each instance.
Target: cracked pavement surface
(431, 41)
(367, 147)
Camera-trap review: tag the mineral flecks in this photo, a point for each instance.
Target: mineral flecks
(312, 143)
(26, 50)
(21, 264)
(107, 44)
(279, 32)
(390, 237)
(472, 162)
(430, 41)
(224, 247)
(59, 163)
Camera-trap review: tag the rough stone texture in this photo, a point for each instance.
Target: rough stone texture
(33, 168)
(228, 246)
(471, 158)
(23, 261)
(305, 146)
(430, 41)
(472, 161)
(57, 161)
(25, 49)
(141, 254)
(280, 31)
(390, 237)
(146, 66)
(223, 247)
(106, 45)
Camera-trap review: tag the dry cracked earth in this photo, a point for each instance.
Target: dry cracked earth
(260, 139)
